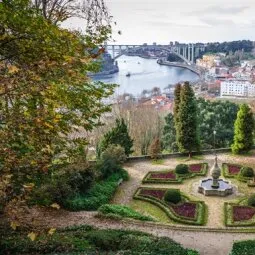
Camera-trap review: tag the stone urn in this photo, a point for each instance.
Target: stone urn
(215, 173)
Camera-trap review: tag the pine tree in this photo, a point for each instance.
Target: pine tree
(187, 124)
(243, 134)
(118, 135)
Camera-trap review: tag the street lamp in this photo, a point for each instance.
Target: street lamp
(214, 133)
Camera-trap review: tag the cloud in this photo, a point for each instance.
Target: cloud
(217, 22)
(169, 24)
(218, 10)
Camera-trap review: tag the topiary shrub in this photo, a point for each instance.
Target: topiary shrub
(251, 200)
(173, 196)
(182, 169)
(246, 172)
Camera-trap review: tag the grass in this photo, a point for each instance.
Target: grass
(121, 211)
(151, 210)
(186, 159)
(158, 162)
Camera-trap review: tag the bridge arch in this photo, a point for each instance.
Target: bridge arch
(169, 50)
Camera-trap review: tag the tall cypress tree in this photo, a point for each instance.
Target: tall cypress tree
(187, 124)
(118, 135)
(177, 100)
(244, 127)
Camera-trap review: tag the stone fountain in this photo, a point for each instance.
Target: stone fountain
(214, 186)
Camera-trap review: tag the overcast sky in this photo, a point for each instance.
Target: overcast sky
(162, 21)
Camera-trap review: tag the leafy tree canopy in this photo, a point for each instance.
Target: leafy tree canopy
(45, 93)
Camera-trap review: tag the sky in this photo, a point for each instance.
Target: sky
(162, 21)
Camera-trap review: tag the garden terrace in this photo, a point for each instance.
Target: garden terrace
(186, 211)
(199, 169)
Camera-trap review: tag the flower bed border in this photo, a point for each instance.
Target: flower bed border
(200, 218)
(229, 216)
(225, 171)
(179, 177)
(226, 174)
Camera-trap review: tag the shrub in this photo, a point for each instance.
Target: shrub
(123, 211)
(101, 193)
(182, 169)
(87, 240)
(251, 200)
(111, 160)
(57, 191)
(243, 247)
(246, 172)
(65, 184)
(173, 196)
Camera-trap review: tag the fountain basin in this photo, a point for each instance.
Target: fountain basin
(205, 187)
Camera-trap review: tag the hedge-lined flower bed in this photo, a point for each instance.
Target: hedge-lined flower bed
(171, 177)
(230, 170)
(241, 213)
(238, 215)
(187, 209)
(187, 212)
(195, 168)
(167, 175)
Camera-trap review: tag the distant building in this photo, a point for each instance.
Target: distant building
(237, 88)
(209, 61)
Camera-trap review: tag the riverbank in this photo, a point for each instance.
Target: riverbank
(175, 64)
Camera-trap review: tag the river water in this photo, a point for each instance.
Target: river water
(145, 74)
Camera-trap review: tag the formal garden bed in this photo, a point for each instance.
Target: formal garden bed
(231, 170)
(171, 176)
(239, 214)
(185, 211)
(237, 171)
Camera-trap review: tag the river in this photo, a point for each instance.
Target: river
(145, 74)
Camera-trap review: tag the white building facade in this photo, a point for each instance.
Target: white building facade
(237, 88)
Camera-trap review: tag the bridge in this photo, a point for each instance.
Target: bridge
(187, 52)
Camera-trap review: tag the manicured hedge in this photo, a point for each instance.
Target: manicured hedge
(171, 176)
(243, 248)
(88, 240)
(101, 193)
(189, 216)
(239, 214)
(121, 211)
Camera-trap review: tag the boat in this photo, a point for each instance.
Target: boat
(128, 74)
(138, 63)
